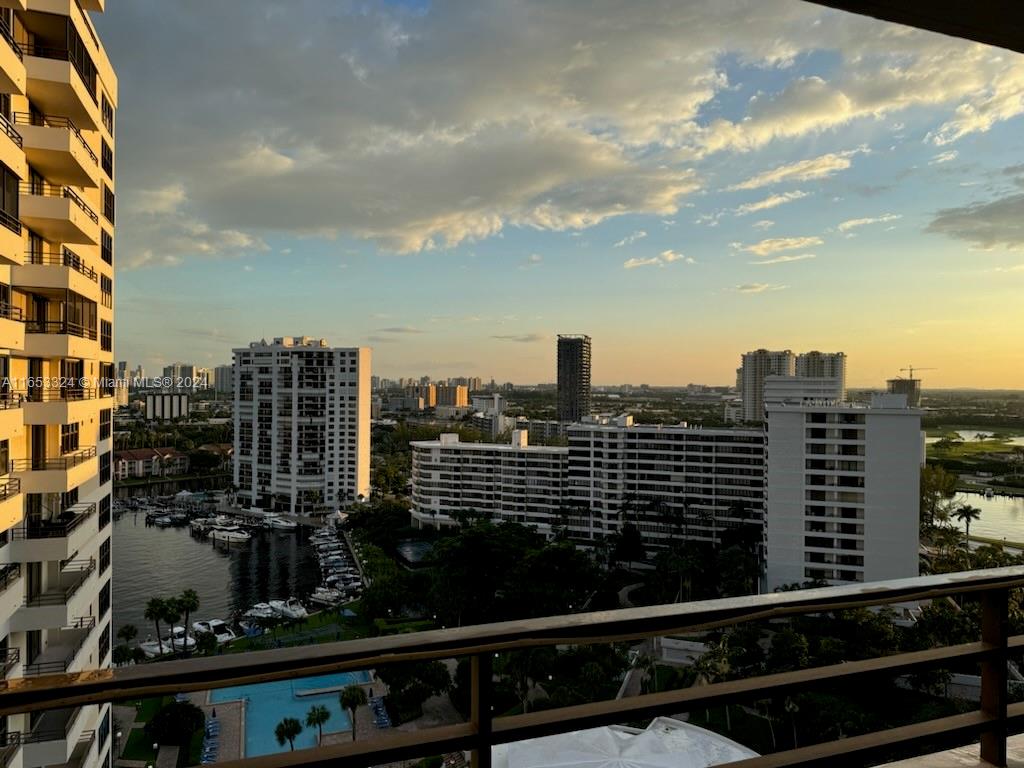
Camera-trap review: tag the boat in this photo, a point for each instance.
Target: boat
(232, 534)
(989, 493)
(163, 521)
(176, 642)
(289, 609)
(260, 611)
(215, 627)
(327, 596)
(281, 524)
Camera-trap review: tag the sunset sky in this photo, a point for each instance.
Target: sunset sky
(454, 183)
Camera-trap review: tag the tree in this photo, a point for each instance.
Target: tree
(175, 723)
(187, 603)
(412, 683)
(156, 610)
(352, 697)
(172, 614)
(630, 545)
(967, 514)
(937, 489)
(318, 715)
(122, 654)
(206, 643)
(128, 633)
(288, 730)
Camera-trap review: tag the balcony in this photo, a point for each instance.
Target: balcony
(10, 502)
(56, 475)
(57, 213)
(11, 153)
(9, 747)
(12, 328)
(62, 270)
(55, 147)
(58, 405)
(60, 338)
(10, 588)
(55, 738)
(58, 87)
(61, 653)
(10, 659)
(53, 540)
(12, 60)
(61, 604)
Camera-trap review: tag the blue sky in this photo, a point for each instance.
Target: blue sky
(453, 185)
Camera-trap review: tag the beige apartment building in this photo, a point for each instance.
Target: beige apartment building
(58, 96)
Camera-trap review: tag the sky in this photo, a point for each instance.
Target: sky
(455, 183)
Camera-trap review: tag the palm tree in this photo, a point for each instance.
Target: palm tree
(353, 697)
(287, 730)
(156, 609)
(128, 633)
(188, 602)
(966, 515)
(172, 614)
(316, 717)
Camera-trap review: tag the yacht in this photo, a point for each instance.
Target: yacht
(215, 627)
(229, 533)
(281, 524)
(327, 596)
(176, 642)
(289, 609)
(261, 611)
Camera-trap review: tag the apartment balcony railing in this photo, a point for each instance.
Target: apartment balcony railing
(7, 127)
(53, 726)
(9, 747)
(62, 258)
(991, 721)
(62, 54)
(55, 121)
(5, 33)
(61, 327)
(9, 487)
(57, 463)
(9, 574)
(70, 520)
(58, 394)
(10, 400)
(10, 659)
(10, 312)
(71, 579)
(58, 658)
(43, 189)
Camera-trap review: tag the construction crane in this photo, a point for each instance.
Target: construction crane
(910, 369)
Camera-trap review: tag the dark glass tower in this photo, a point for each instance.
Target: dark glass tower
(573, 377)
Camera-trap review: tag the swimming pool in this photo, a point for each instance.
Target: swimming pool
(266, 704)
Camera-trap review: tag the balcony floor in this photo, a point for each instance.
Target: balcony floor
(965, 757)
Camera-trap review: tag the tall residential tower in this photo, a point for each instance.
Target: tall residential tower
(58, 95)
(573, 377)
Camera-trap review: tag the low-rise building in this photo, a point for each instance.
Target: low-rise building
(149, 462)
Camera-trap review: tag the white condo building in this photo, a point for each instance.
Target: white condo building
(809, 375)
(757, 366)
(515, 482)
(842, 491)
(302, 425)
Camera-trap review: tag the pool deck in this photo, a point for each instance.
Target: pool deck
(231, 715)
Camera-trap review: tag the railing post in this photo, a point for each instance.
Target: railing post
(482, 681)
(994, 631)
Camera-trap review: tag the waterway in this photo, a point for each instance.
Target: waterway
(970, 435)
(161, 562)
(1002, 517)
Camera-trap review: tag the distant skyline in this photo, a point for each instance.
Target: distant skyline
(683, 182)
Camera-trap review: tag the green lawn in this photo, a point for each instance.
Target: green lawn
(138, 747)
(969, 448)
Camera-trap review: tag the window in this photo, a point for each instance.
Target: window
(107, 158)
(68, 438)
(105, 424)
(108, 203)
(104, 468)
(107, 379)
(106, 291)
(104, 556)
(104, 511)
(108, 115)
(107, 247)
(106, 335)
(9, 199)
(104, 600)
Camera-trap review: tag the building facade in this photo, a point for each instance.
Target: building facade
(454, 395)
(843, 491)
(302, 425)
(823, 365)
(58, 96)
(573, 377)
(164, 406)
(224, 379)
(757, 366)
(149, 462)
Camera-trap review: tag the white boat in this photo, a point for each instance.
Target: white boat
(229, 533)
(281, 524)
(989, 493)
(289, 609)
(163, 521)
(261, 611)
(180, 640)
(154, 648)
(327, 596)
(215, 627)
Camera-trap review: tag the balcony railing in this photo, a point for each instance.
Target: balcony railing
(62, 54)
(10, 659)
(10, 221)
(63, 258)
(68, 653)
(61, 327)
(8, 575)
(58, 394)
(480, 644)
(61, 528)
(9, 487)
(10, 400)
(10, 312)
(56, 463)
(9, 748)
(54, 121)
(5, 33)
(45, 189)
(77, 573)
(7, 127)
(54, 726)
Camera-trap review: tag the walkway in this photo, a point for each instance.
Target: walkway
(232, 729)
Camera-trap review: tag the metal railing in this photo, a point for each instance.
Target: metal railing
(61, 53)
(55, 121)
(10, 659)
(43, 733)
(5, 33)
(58, 394)
(9, 487)
(62, 258)
(72, 518)
(58, 666)
(11, 312)
(480, 644)
(10, 130)
(10, 399)
(9, 748)
(8, 575)
(59, 463)
(79, 570)
(45, 189)
(65, 327)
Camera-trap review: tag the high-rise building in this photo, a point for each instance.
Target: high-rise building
(456, 396)
(302, 425)
(843, 491)
(573, 377)
(911, 388)
(757, 366)
(428, 392)
(823, 365)
(180, 376)
(224, 379)
(56, 336)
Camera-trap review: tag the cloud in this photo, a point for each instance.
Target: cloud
(999, 222)
(944, 157)
(663, 258)
(784, 259)
(763, 224)
(400, 330)
(631, 238)
(776, 244)
(773, 201)
(759, 287)
(849, 224)
(526, 338)
(533, 260)
(1012, 268)
(821, 167)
